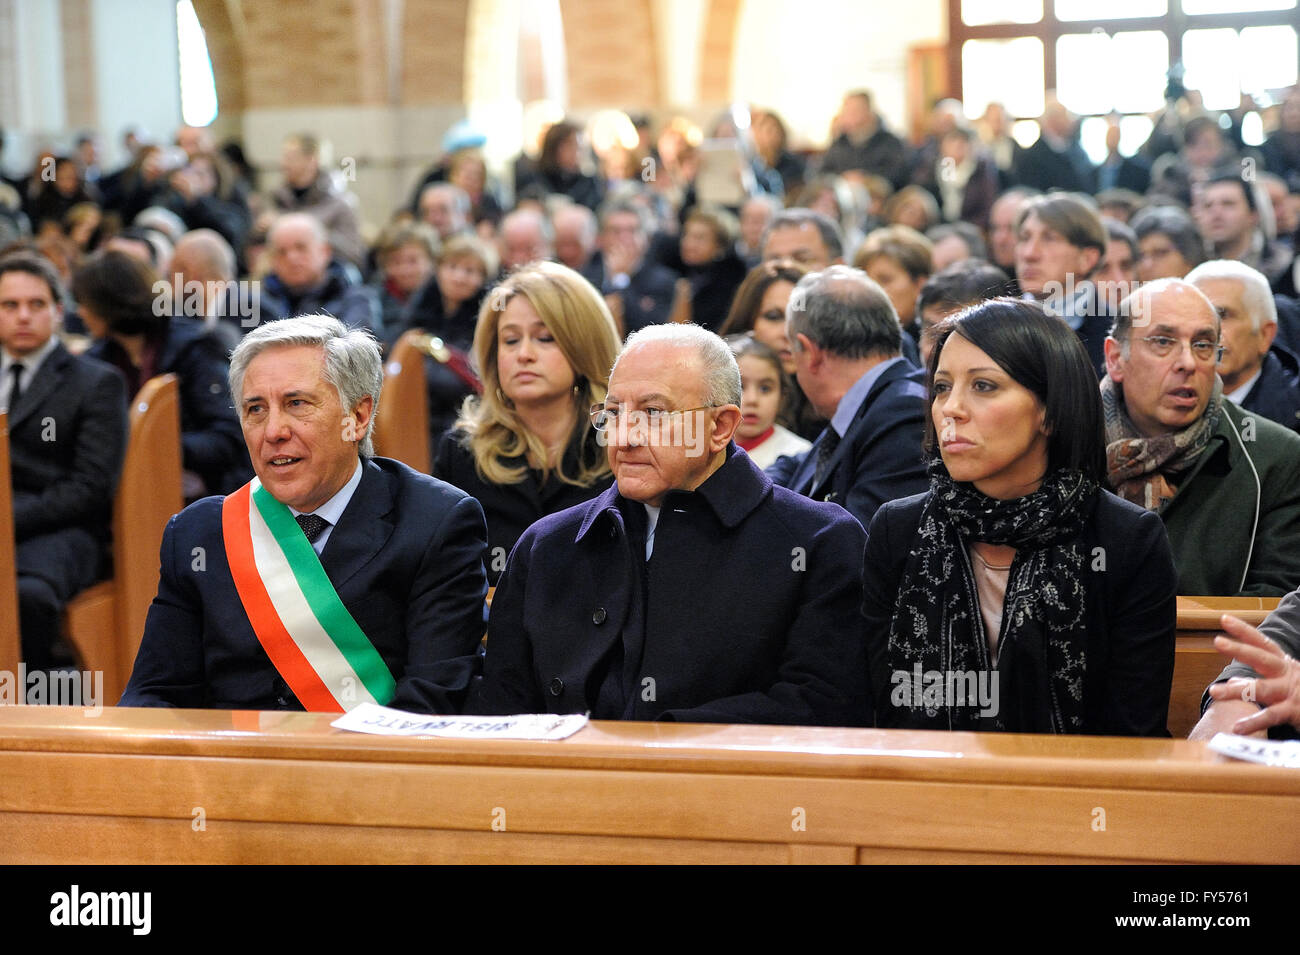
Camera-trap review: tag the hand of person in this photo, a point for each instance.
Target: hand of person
(620, 257)
(1277, 688)
(183, 183)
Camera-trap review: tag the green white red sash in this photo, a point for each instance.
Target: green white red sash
(311, 638)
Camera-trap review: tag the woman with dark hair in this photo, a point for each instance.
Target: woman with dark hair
(559, 168)
(708, 261)
(124, 305)
(1018, 595)
(759, 308)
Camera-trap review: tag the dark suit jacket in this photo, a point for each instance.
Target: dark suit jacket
(747, 611)
(511, 508)
(1276, 395)
(883, 153)
(879, 458)
(67, 439)
(1042, 167)
(405, 560)
(1130, 586)
(648, 297)
(1092, 333)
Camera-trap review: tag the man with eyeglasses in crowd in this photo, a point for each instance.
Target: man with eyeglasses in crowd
(1225, 481)
(693, 589)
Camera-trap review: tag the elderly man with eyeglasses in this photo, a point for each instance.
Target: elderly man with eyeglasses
(1225, 481)
(693, 589)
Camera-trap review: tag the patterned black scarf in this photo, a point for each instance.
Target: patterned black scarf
(937, 635)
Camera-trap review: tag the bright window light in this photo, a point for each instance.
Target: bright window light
(198, 90)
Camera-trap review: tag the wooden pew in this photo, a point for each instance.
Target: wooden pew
(1196, 662)
(104, 624)
(150, 786)
(10, 645)
(401, 428)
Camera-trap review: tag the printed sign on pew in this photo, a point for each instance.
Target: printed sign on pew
(384, 721)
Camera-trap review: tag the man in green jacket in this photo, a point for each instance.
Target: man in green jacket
(1226, 482)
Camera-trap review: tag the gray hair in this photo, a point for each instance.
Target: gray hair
(290, 219)
(720, 372)
(1139, 305)
(843, 311)
(1256, 295)
(535, 220)
(352, 362)
(798, 217)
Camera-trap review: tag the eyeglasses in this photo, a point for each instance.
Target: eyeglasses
(1162, 347)
(608, 419)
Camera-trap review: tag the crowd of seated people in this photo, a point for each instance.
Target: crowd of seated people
(1133, 386)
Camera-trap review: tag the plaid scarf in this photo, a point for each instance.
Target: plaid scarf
(937, 628)
(1139, 468)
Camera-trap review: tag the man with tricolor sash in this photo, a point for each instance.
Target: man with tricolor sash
(334, 577)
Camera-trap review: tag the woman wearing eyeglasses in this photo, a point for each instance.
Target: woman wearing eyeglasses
(525, 448)
(1017, 594)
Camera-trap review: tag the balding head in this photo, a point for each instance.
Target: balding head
(203, 256)
(1162, 353)
(300, 253)
(525, 237)
(839, 323)
(575, 235)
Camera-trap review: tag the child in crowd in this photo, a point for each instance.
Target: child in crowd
(765, 387)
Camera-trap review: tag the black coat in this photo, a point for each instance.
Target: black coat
(67, 440)
(883, 154)
(1130, 585)
(647, 298)
(1276, 395)
(1042, 167)
(511, 509)
(747, 611)
(355, 305)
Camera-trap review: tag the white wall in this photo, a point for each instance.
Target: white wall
(137, 70)
(800, 58)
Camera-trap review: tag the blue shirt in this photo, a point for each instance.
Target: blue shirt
(848, 407)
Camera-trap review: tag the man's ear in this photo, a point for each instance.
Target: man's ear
(360, 419)
(727, 421)
(1091, 259)
(1114, 360)
(816, 357)
(1267, 332)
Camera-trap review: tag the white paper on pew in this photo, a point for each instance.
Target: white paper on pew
(385, 721)
(1268, 752)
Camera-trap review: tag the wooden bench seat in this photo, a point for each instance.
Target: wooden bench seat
(104, 624)
(401, 429)
(208, 786)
